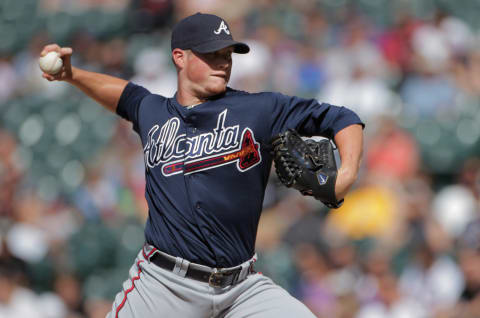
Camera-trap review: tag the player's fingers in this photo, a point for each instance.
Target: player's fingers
(48, 77)
(50, 48)
(65, 51)
(307, 192)
(66, 54)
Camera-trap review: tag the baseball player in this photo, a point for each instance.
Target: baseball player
(207, 162)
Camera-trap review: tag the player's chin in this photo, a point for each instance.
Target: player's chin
(217, 87)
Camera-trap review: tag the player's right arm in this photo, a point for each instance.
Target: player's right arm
(104, 89)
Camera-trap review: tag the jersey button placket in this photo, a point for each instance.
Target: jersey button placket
(193, 117)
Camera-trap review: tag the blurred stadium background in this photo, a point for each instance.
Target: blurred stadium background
(406, 242)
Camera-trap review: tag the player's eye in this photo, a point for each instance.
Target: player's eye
(218, 55)
(225, 55)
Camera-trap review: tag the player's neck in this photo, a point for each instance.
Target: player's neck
(188, 100)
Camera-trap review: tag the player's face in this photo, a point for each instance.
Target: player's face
(209, 73)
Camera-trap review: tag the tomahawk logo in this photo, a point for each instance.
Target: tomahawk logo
(222, 27)
(180, 154)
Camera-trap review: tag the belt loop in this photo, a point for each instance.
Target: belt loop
(247, 268)
(244, 272)
(181, 266)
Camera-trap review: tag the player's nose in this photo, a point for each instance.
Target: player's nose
(224, 61)
(224, 64)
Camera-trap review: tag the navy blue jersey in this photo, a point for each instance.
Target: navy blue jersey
(207, 166)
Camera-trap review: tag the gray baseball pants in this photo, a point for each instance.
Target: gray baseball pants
(152, 291)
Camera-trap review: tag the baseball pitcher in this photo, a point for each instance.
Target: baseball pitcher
(208, 152)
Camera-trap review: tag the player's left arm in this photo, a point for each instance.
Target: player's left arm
(311, 118)
(349, 142)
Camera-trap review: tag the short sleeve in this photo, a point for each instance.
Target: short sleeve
(129, 103)
(309, 117)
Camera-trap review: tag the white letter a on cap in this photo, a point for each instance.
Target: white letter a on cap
(222, 27)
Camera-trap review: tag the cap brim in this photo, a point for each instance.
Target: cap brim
(238, 47)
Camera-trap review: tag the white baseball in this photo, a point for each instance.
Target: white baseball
(50, 63)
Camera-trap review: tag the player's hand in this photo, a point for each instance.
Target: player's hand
(65, 53)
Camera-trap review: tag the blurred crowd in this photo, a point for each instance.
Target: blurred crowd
(406, 242)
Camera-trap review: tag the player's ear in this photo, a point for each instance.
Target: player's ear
(179, 57)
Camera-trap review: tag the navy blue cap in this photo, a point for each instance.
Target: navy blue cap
(205, 33)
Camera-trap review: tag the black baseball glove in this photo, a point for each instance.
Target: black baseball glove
(306, 165)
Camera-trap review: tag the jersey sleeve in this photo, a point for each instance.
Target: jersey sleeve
(309, 117)
(129, 103)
